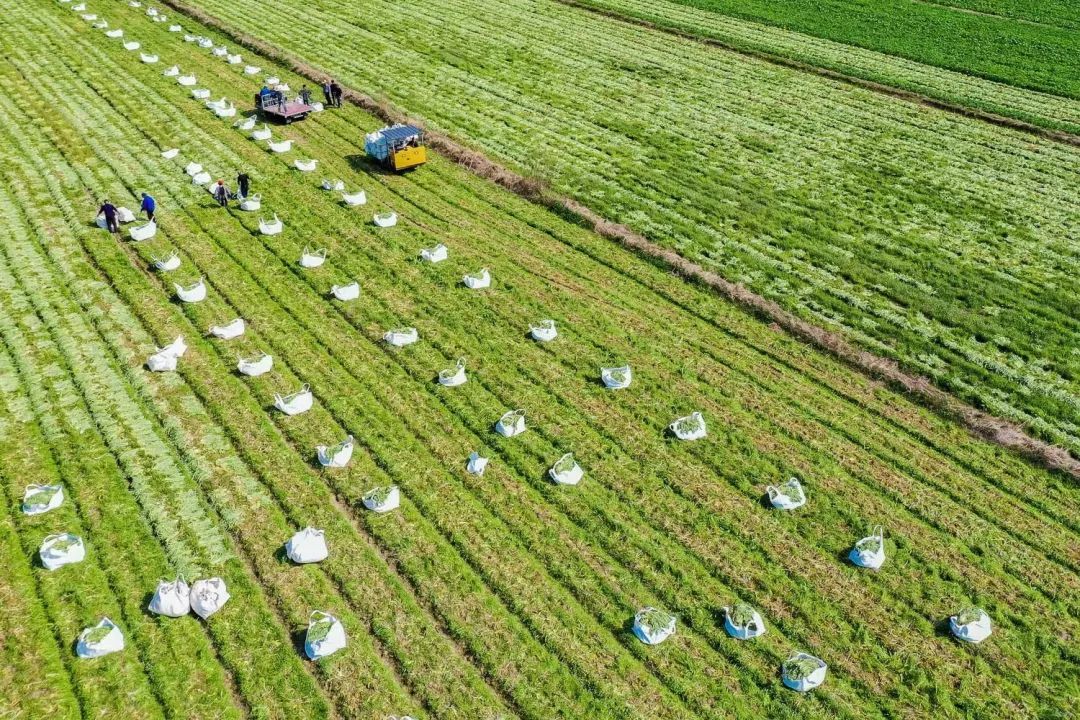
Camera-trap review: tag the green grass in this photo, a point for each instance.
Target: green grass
(943, 242)
(1040, 57)
(499, 595)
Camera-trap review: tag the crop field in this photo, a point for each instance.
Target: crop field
(1025, 43)
(943, 242)
(501, 595)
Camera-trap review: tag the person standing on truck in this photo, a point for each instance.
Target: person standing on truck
(305, 95)
(149, 205)
(242, 185)
(109, 211)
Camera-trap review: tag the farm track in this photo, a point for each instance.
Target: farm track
(829, 259)
(627, 552)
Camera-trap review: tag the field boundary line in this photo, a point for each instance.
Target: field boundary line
(982, 424)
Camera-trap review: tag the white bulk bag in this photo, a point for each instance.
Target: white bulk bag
(186, 80)
(168, 263)
(229, 330)
(305, 165)
(134, 3)
(435, 254)
(452, 377)
(252, 204)
(161, 362)
(124, 215)
(386, 219)
(316, 106)
(281, 146)
(307, 546)
(220, 51)
(870, 551)
(245, 124)
(325, 635)
(382, 499)
(117, 33)
(132, 45)
(333, 185)
(89, 17)
(566, 471)
(226, 112)
(190, 38)
(544, 331)
(234, 59)
(251, 70)
(152, 12)
(175, 28)
(38, 499)
(263, 133)
(971, 625)
(400, 337)
(101, 24)
(272, 80)
(282, 87)
(797, 674)
(78, 8)
(511, 423)
(196, 292)
(205, 43)
(616, 378)
(744, 622)
(312, 258)
(272, 227)
(200, 93)
(193, 168)
(173, 71)
(788, 496)
(690, 427)
(143, 232)
(172, 599)
(99, 640)
(254, 367)
(478, 280)
(336, 456)
(652, 626)
(176, 348)
(476, 464)
(208, 596)
(355, 199)
(61, 549)
(148, 59)
(346, 292)
(300, 401)
(170, 153)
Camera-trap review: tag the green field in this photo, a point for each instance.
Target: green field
(943, 242)
(1028, 44)
(480, 597)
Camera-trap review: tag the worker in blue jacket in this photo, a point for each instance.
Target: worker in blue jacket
(148, 206)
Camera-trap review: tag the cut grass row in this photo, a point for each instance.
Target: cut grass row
(642, 147)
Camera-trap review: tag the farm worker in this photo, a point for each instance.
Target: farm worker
(335, 90)
(328, 92)
(242, 183)
(109, 211)
(305, 95)
(148, 205)
(221, 193)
